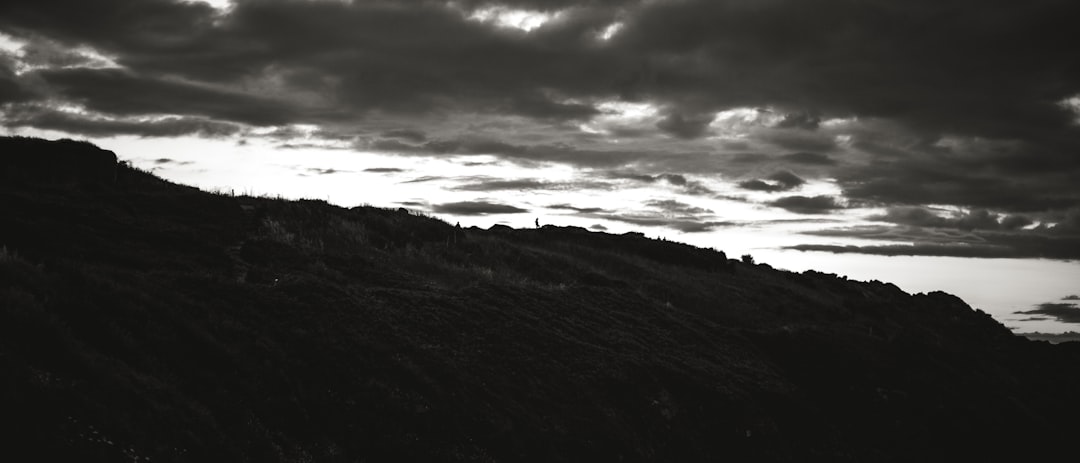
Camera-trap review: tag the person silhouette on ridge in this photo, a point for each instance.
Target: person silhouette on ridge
(537, 222)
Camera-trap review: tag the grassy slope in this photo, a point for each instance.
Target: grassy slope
(143, 318)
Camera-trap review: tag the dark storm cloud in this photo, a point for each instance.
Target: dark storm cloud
(984, 220)
(408, 135)
(1014, 222)
(99, 126)
(324, 171)
(808, 158)
(1018, 195)
(751, 165)
(359, 56)
(1066, 222)
(378, 60)
(920, 63)
(780, 181)
(928, 249)
(687, 186)
(807, 204)
(971, 220)
(123, 26)
(801, 120)
(685, 225)
(475, 208)
(698, 227)
(673, 214)
(121, 92)
(426, 178)
(799, 140)
(912, 216)
(666, 213)
(787, 179)
(12, 89)
(750, 158)
(903, 103)
(1071, 297)
(531, 184)
(685, 126)
(674, 179)
(522, 154)
(1062, 312)
(546, 5)
(540, 107)
(901, 234)
(1032, 319)
(500, 185)
(671, 206)
(950, 241)
(584, 210)
(163, 161)
(45, 53)
(759, 185)
(878, 71)
(393, 145)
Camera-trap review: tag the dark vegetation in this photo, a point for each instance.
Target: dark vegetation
(141, 319)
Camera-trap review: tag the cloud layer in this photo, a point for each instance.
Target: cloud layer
(900, 108)
(1065, 311)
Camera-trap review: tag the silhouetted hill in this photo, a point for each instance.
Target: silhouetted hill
(144, 319)
(61, 161)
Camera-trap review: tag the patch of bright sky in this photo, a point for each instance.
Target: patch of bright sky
(511, 18)
(1072, 104)
(608, 32)
(738, 122)
(305, 130)
(71, 108)
(11, 44)
(217, 4)
(838, 122)
(589, 128)
(80, 110)
(96, 60)
(843, 140)
(260, 167)
(626, 110)
(621, 114)
(997, 286)
(15, 47)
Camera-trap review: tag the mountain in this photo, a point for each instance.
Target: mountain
(142, 320)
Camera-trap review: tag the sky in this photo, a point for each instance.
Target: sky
(933, 144)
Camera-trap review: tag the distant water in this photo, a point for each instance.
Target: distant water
(999, 287)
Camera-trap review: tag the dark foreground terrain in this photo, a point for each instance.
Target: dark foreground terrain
(143, 320)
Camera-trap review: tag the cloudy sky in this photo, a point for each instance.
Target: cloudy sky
(931, 143)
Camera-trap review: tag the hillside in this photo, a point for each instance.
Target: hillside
(142, 320)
